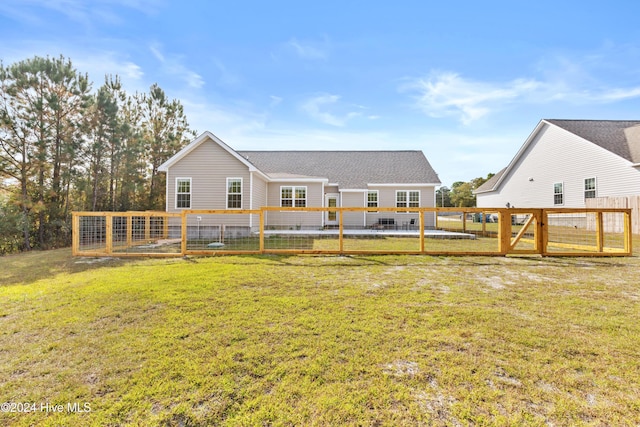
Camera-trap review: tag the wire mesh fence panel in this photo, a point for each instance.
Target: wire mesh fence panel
(120, 232)
(569, 232)
(222, 232)
(386, 242)
(144, 234)
(614, 238)
(474, 231)
(305, 231)
(451, 221)
(92, 234)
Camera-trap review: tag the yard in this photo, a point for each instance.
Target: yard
(308, 340)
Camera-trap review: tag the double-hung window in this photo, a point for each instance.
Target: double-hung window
(372, 199)
(183, 193)
(590, 188)
(407, 199)
(293, 197)
(558, 193)
(234, 193)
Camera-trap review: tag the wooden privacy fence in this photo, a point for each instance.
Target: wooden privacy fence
(628, 202)
(351, 230)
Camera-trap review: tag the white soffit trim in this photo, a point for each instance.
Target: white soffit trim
(425, 184)
(303, 180)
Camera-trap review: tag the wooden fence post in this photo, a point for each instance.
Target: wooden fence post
(109, 232)
(129, 230)
(341, 231)
(504, 233)
(147, 228)
(599, 232)
(262, 230)
(183, 237)
(75, 234)
(628, 232)
(422, 229)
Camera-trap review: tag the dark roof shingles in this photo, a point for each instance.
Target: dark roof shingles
(350, 169)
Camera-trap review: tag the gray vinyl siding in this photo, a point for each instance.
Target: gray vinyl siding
(259, 192)
(209, 166)
(387, 198)
(352, 199)
(315, 198)
(558, 156)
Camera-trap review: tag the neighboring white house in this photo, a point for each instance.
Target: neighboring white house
(208, 174)
(564, 162)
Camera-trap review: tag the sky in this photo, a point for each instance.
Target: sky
(464, 81)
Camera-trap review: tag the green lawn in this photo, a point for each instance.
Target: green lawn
(327, 341)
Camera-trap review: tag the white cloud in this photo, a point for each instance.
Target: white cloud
(314, 107)
(173, 65)
(275, 101)
(309, 50)
(84, 12)
(446, 94)
(443, 94)
(100, 64)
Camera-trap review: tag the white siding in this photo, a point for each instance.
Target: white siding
(555, 155)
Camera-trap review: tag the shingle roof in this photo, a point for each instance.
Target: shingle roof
(349, 169)
(491, 182)
(617, 136)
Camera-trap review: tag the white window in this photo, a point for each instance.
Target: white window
(183, 193)
(558, 193)
(234, 193)
(407, 199)
(293, 197)
(372, 199)
(590, 188)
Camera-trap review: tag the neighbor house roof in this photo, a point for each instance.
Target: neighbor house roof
(489, 184)
(349, 169)
(620, 137)
(617, 136)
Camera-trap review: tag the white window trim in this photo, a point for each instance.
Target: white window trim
(226, 198)
(293, 195)
(190, 193)
(366, 199)
(595, 187)
(554, 193)
(408, 200)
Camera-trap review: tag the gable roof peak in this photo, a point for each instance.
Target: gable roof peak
(620, 137)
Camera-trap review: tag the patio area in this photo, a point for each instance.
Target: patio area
(429, 234)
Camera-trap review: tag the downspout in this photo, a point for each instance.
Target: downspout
(251, 198)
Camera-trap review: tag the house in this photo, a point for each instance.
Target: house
(208, 174)
(565, 162)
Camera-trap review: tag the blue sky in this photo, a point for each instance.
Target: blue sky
(465, 81)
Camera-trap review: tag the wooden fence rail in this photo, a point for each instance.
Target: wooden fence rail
(351, 230)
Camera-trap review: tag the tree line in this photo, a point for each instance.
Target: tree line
(65, 146)
(460, 195)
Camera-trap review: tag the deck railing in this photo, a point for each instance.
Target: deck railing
(353, 230)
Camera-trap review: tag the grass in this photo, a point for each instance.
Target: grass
(305, 340)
